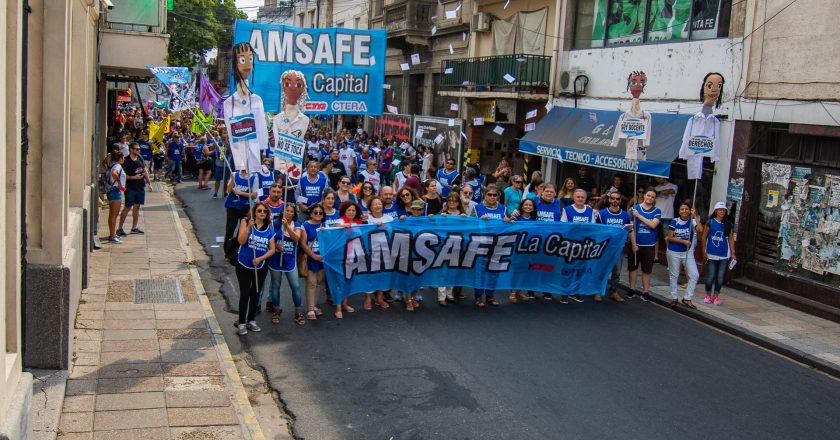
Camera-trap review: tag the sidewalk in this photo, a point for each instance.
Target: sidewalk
(151, 370)
(805, 338)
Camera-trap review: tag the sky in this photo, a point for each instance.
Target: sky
(249, 4)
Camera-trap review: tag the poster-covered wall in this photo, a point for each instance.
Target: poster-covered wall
(398, 126)
(443, 136)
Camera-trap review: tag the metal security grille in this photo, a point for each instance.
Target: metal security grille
(158, 292)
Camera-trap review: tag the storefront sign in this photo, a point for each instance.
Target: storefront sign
(398, 126)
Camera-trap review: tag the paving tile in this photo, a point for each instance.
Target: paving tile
(201, 416)
(184, 333)
(195, 314)
(196, 399)
(187, 356)
(165, 324)
(184, 344)
(116, 371)
(85, 346)
(76, 387)
(76, 422)
(123, 357)
(90, 314)
(194, 383)
(130, 419)
(89, 324)
(119, 402)
(172, 307)
(129, 345)
(129, 314)
(121, 335)
(92, 298)
(130, 385)
(232, 432)
(80, 403)
(86, 359)
(129, 324)
(134, 434)
(193, 369)
(69, 436)
(84, 372)
(87, 335)
(127, 306)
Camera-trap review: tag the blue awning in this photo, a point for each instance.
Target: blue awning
(584, 136)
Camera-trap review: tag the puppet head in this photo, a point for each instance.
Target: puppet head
(636, 82)
(293, 84)
(243, 64)
(711, 91)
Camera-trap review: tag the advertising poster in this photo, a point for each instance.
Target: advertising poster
(444, 139)
(344, 68)
(398, 126)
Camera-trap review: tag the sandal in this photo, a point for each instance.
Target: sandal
(348, 309)
(672, 304)
(310, 315)
(275, 318)
(298, 318)
(492, 301)
(688, 304)
(512, 298)
(383, 304)
(318, 312)
(479, 303)
(409, 306)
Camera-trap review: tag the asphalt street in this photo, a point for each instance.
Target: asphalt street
(527, 371)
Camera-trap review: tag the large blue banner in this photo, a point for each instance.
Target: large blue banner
(344, 68)
(559, 258)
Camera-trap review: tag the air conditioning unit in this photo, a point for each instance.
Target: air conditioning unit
(480, 22)
(566, 82)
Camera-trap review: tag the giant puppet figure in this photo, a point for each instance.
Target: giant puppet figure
(291, 121)
(634, 125)
(702, 132)
(244, 115)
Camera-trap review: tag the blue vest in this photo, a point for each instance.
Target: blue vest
(498, 213)
(276, 213)
(146, 151)
(393, 210)
(241, 184)
(285, 247)
(573, 216)
(621, 219)
(333, 219)
(446, 181)
(312, 242)
(198, 152)
(475, 184)
(313, 190)
(717, 242)
(548, 213)
(256, 246)
(264, 183)
(646, 236)
(338, 201)
(682, 230)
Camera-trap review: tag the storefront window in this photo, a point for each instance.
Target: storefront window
(617, 22)
(799, 220)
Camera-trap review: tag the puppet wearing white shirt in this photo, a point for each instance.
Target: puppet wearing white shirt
(634, 125)
(244, 114)
(291, 121)
(702, 132)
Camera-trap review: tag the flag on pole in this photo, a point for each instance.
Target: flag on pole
(200, 121)
(207, 95)
(170, 75)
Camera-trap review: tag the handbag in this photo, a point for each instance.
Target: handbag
(303, 268)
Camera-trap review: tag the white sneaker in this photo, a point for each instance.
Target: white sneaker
(253, 326)
(115, 240)
(242, 330)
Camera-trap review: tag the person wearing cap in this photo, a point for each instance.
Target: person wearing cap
(416, 208)
(719, 249)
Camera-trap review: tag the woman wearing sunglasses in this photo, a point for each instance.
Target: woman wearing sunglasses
(343, 194)
(375, 216)
(314, 262)
(284, 261)
(404, 199)
(256, 244)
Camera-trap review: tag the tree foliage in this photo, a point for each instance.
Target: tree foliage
(196, 26)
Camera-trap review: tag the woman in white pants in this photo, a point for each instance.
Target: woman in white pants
(682, 239)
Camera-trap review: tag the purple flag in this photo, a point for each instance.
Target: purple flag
(208, 98)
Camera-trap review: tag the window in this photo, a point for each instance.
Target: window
(301, 19)
(616, 22)
(356, 22)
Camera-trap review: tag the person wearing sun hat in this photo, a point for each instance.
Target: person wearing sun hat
(719, 249)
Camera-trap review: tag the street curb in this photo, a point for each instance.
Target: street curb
(749, 336)
(244, 410)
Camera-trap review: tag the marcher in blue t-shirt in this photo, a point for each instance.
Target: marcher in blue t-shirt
(682, 238)
(175, 153)
(719, 249)
(646, 218)
(614, 216)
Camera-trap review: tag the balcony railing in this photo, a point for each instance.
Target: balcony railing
(528, 72)
(409, 18)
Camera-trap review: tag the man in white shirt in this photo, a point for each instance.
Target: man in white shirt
(666, 193)
(348, 157)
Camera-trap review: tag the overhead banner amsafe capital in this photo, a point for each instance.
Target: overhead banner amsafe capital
(344, 68)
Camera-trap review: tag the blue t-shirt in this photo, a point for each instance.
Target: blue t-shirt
(572, 215)
(312, 242)
(313, 191)
(446, 180)
(548, 212)
(338, 201)
(620, 219)
(393, 210)
(175, 150)
(717, 240)
(286, 248)
(264, 182)
(684, 230)
(333, 219)
(241, 184)
(146, 150)
(256, 246)
(198, 151)
(645, 236)
(276, 212)
(498, 213)
(476, 185)
(513, 197)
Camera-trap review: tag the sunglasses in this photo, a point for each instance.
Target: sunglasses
(467, 193)
(450, 163)
(405, 195)
(261, 211)
(317, 212)
(518, 181)
(615, 198)
(344, 183)
(367, 189)
(416, 209)
(492, 195)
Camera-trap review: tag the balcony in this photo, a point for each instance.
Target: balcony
(133, 37)
(410, 20)
(486, 77)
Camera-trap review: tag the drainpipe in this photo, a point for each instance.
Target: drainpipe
(24, 154)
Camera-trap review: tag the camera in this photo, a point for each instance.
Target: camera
(108, 4)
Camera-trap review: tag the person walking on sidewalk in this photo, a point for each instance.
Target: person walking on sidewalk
(682, 238)
(719, 249)
(137, 178)
(116, 180)
(256, 244)
(287, 235)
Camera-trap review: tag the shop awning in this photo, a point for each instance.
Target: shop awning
(584, 136)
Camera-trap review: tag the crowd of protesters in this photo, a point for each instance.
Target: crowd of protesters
(351, 178)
